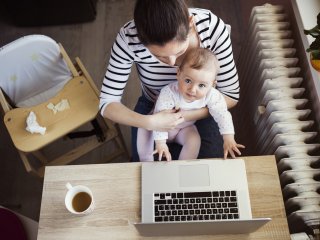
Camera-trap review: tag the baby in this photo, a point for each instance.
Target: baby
(193, 90)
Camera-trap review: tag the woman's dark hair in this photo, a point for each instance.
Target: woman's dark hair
(161, 21)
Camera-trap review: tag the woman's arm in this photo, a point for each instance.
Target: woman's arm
(161, 121)
(220, 45)
(194, 115)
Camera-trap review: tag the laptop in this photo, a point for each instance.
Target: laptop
(195, 197)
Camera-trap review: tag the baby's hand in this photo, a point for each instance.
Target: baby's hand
(230, 146)
(162, 149)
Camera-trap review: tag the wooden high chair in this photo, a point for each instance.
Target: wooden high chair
(36, 73)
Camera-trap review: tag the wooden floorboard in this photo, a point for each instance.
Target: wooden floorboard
(92, 42)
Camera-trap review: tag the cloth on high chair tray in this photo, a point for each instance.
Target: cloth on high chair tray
(33, 126)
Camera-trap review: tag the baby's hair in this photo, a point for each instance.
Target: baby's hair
(200, 58)
(161, 21)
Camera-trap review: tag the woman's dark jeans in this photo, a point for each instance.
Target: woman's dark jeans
(211, 139)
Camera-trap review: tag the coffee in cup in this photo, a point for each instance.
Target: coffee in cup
(79, 199)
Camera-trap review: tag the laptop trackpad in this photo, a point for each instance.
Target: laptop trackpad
(194, 175)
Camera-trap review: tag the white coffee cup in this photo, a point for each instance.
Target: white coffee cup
(79, 199)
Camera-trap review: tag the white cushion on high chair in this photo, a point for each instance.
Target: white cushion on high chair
(32, 70)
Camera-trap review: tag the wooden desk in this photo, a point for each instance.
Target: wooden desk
(116, 189)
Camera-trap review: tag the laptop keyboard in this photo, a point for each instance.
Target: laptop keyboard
(195, 206)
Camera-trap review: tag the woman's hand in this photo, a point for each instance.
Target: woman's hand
(163, 150)
(165, 120)
(230, 146)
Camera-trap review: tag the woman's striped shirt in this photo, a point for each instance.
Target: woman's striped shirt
(154, 74)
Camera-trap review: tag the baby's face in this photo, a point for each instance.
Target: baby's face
(195, 84)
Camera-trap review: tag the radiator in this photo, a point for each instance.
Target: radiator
(275, 109)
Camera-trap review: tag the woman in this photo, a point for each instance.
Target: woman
(156, 40)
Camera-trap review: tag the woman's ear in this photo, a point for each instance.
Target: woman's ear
(191, 23)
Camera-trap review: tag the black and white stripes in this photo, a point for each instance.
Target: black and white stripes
(154, 74)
